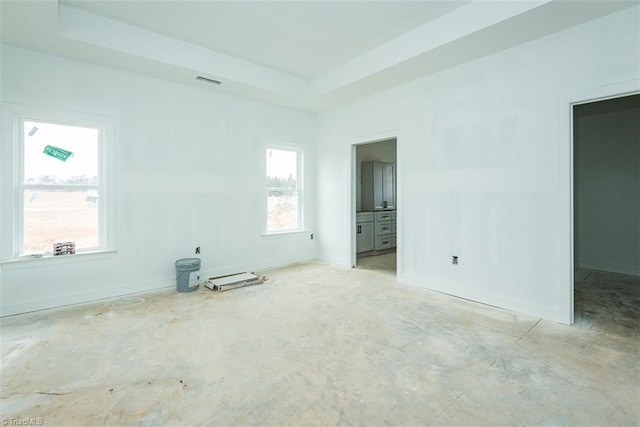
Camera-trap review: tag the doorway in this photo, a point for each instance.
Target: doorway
(376, 201)
(606, 208)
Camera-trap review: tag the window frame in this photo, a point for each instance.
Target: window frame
(106, 209)
(299, 188)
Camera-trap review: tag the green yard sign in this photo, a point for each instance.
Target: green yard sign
(57, 153)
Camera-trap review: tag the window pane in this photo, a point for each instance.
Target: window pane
(283, 197)
(60, 216)
(282, 168)
(43, 164)
(282, 210)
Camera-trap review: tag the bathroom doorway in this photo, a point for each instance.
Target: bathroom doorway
(376, 202)
(606, 207)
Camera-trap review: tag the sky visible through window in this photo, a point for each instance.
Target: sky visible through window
(282, 163)
(81, 141)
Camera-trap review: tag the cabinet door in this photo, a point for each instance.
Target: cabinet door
(364, 237)
(388, 185)
(378, 185)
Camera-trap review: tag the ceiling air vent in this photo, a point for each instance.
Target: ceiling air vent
(205, 79)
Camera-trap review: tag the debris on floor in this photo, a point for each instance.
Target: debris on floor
(233, 281)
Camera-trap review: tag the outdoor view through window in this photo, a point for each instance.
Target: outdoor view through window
(283, 190)
(60, 188)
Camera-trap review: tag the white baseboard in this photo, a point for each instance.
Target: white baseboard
(134, 288)
(625, 269)
(548, 313)
(337, 261)
(84, 297)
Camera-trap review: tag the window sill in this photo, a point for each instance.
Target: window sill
(28, 261)
(282, 234)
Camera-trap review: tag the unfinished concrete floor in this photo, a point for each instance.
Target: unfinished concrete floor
(318, 345)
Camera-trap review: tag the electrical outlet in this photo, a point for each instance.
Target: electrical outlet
(454, 260)
(197, 250)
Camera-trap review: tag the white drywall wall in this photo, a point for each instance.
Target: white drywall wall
(383, 151)
(484, 166)
(189, 169)
(4, 165)
(607, 153)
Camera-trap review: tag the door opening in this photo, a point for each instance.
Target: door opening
(606, 209)
(376, 204)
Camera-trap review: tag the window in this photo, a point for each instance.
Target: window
(284, 190)
(61, 186)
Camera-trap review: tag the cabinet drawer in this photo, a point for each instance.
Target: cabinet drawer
(394, 215)
(364, 217)
(394, 226)
(383, 216)
(384, 242)
(383, 227)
